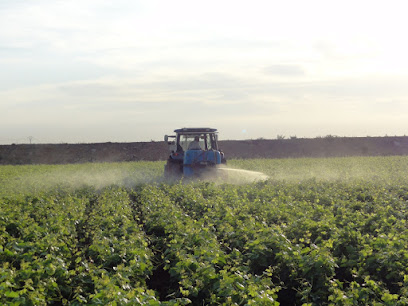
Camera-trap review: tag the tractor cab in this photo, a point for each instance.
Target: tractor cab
(192, 150)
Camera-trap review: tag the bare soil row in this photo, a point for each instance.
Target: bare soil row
(153, 151)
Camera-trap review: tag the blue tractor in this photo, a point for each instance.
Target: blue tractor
(194, 153)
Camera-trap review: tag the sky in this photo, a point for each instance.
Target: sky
(83, 71)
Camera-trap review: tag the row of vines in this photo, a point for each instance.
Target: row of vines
(319, 231)
(266, 243)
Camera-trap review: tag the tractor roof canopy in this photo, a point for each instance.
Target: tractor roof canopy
(195, 130)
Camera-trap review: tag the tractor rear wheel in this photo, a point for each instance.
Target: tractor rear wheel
(173, 169)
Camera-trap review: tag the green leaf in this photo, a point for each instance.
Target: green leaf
(11, 294)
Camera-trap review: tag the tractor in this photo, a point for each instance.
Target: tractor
(194, 153)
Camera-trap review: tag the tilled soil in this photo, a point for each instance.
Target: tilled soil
(153, 151)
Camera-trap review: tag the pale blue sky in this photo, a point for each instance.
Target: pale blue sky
(97, 70)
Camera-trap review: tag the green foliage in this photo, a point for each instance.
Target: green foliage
(329, 232)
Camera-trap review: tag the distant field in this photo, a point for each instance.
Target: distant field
(315, 231)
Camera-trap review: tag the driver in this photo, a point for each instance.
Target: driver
(195, 145)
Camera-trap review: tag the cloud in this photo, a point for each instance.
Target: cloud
(156, 64)
(285, 70)
(215, 95)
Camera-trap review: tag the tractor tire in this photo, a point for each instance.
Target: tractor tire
(173, 170)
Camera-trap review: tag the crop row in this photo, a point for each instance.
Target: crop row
(73, 248)
(293, 243)
(197, 266)
(318, 242)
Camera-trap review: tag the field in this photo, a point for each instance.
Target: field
(314, 232)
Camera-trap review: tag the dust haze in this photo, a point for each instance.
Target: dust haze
(98, 176)
(46, 178)
(29, 179)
